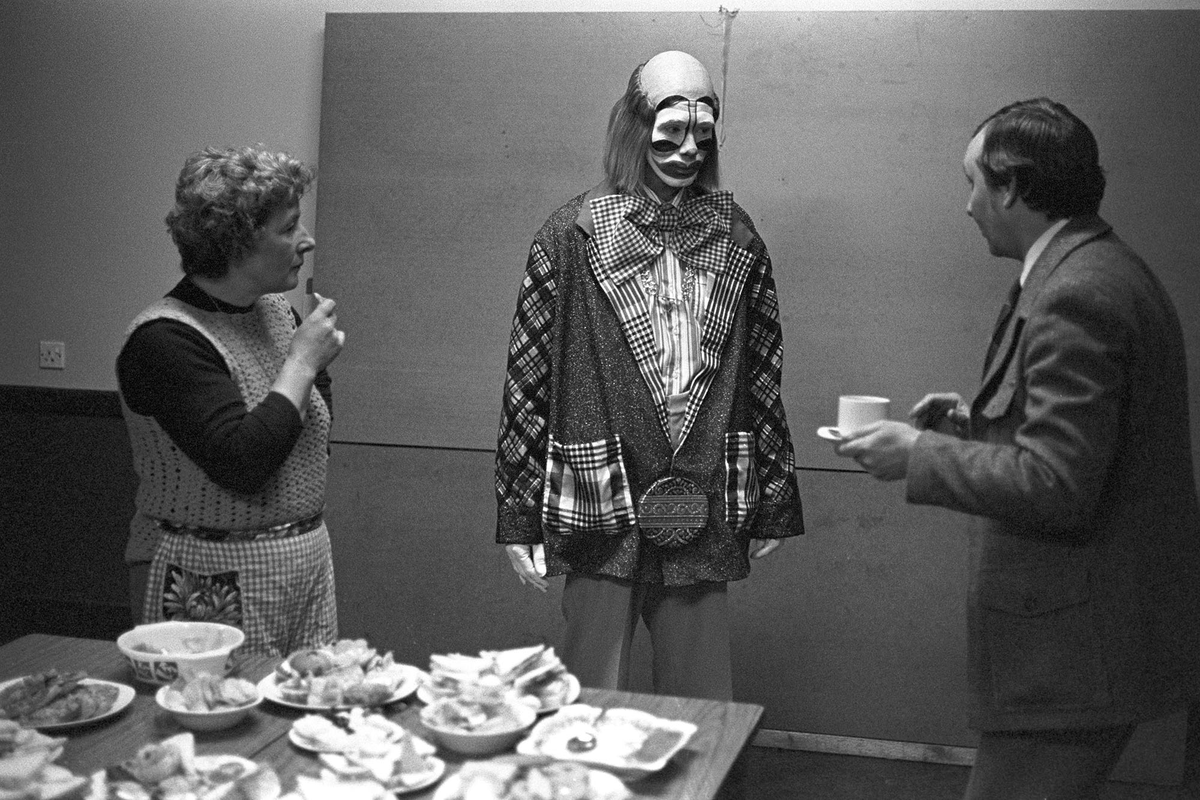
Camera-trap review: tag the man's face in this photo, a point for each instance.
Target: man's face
(680, 140)
(987, 206)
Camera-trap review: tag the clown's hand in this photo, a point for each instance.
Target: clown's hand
(759, 548)
(529, 562)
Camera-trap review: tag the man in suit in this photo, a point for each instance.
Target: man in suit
(1075, 461)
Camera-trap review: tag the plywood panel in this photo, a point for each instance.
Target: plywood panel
(446, 139)
(853, 630)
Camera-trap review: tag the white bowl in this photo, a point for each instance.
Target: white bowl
(473, 743)
(175, 642)
(216, 720)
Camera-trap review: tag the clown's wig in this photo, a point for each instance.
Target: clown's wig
(628, 142)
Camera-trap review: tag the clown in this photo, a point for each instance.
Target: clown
(643, 449)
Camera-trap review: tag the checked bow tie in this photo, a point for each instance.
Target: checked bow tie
(633, 231)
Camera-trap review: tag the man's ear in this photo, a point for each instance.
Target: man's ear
(1011, 196)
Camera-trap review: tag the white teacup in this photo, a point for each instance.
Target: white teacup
(856, 411)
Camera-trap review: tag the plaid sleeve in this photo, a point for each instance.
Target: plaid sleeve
(521, 446)
(779, 514)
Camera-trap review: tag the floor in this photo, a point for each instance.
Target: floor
(799, 775)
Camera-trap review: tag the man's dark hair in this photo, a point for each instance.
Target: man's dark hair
(1049, 152)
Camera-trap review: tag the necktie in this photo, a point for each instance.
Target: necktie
(1006, 312)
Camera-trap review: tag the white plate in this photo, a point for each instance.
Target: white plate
(125, 695)
(659, 740)
(269, 688)
(211, 763)
(307, 744)
(601, 785)
(426, 695)
(427, 779)
(829, 432)
(206, 764)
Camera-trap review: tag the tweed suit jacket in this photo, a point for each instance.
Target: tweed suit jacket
(1084, 595)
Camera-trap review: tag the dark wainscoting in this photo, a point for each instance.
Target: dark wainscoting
(68, 488)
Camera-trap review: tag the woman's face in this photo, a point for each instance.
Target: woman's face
(273, 263)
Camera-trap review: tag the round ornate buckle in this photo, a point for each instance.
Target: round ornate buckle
(672, 512)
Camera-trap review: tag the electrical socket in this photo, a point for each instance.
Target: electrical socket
(52, 355)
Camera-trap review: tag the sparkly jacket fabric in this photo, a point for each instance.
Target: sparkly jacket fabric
(577, 407)
(1085, 550)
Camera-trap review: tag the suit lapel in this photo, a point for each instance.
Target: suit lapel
(1076, 233)
(724, 295)
(629, 304)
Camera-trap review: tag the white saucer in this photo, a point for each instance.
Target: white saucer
(829, 432)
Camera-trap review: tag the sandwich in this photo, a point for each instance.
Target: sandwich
(534, 670)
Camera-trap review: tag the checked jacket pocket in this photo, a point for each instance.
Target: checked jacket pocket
(586, 489)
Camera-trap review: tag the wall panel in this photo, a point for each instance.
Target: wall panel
(446, 140)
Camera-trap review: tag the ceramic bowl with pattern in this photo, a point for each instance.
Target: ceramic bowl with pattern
(161, 652)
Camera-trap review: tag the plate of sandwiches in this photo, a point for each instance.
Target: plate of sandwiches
(172, 768)
(345, 674)
(529, 671)
(54, 700)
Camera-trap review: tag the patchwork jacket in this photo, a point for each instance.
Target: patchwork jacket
(584, 431)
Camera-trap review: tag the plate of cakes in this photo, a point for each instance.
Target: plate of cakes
(534, 673)
(346, 674)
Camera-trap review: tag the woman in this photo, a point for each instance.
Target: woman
(226, 399)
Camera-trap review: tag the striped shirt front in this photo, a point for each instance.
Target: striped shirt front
(676, 297)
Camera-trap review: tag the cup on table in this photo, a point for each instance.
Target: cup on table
(857, 411)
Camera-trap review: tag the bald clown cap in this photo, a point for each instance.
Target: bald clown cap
(675, 75)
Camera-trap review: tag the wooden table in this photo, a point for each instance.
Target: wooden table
(695, 773)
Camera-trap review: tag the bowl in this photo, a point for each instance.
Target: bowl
(163, 651)
(518, 718)
(215, 720)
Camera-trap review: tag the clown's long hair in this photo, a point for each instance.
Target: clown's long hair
(628, 142)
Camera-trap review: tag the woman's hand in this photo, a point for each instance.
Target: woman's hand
(315, 344)
(318, 341)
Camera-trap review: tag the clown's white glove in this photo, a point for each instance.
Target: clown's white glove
(529, 562)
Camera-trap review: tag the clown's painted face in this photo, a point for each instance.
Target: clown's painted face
(677, 86)
(682, 137)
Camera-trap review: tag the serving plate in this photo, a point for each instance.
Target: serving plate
(392, 735)
(602, 785)
(206, 765)
(628, 742)
(426, 695)
(269, 688)
(437, 768)
(125, 695)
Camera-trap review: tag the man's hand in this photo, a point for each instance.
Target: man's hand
(761, 548)
(529, 561)
(944, 412)
(881, 449)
